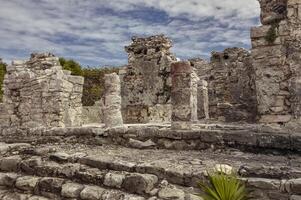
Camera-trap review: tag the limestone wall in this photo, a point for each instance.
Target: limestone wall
(277, 61)
(92, 114)
(146, 82)
(38, 92)
(231, 85)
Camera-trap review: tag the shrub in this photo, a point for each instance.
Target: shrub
(2, 73)
(223, 187)
(271, 35)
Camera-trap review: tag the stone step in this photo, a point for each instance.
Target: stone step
(248, 138)
(184, 168)
(146, 185)
(59, 188)
(271, 175)
(136, 183)
(10, 194)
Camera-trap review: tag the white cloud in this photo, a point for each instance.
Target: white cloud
(95, 31)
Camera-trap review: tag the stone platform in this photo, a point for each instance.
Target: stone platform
(151, 161)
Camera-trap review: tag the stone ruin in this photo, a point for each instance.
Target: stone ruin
(111, 108)
(277, 62)
(231, 85)
(190, 116)
(146, 82)
(39, 93)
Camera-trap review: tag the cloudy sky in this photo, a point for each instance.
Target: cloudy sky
(94, 32)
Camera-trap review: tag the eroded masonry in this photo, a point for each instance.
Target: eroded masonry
(161, 123)
(39, 93)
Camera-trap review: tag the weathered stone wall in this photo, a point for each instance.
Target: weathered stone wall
(39, 93)
(231, 85)
(272, 10)
(146, 82)
(277, 62)
(92, 114)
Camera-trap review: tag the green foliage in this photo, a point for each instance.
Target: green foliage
(223, 187)
(94, 79)
(94, 84)
(271, 35)
(2, 73)
(72, 66)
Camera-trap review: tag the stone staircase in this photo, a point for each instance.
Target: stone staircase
(80, 171)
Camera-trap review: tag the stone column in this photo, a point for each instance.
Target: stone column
(112, 101)
(203, 100)
(183, 98)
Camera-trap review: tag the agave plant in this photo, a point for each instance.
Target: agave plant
(223, 186)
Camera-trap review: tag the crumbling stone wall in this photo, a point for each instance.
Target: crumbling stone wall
(146, 82)
(231, 85)
(277, 63)
(39, 93)
(272, 10)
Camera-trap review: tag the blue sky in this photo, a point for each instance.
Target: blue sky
(94, 32)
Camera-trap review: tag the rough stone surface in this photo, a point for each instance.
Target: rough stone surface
(72, 190)
(231, 85)
(92, 114)
(38, 93)
(91, 193)
(27, 183)
(183, 95)
(112, 101)
(146, 81)
(277, 61)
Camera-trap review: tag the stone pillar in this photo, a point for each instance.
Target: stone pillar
(112, 101)
(203, 100)
(183, 98)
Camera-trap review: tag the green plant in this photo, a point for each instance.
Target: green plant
(271, 35)
(72, 66)
(223, 187)
(2, 73)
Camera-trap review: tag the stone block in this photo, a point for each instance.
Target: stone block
(71, 190)
(114, 180)
(139, 183)
(27, 183)
(10, 163)
(92, 193)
